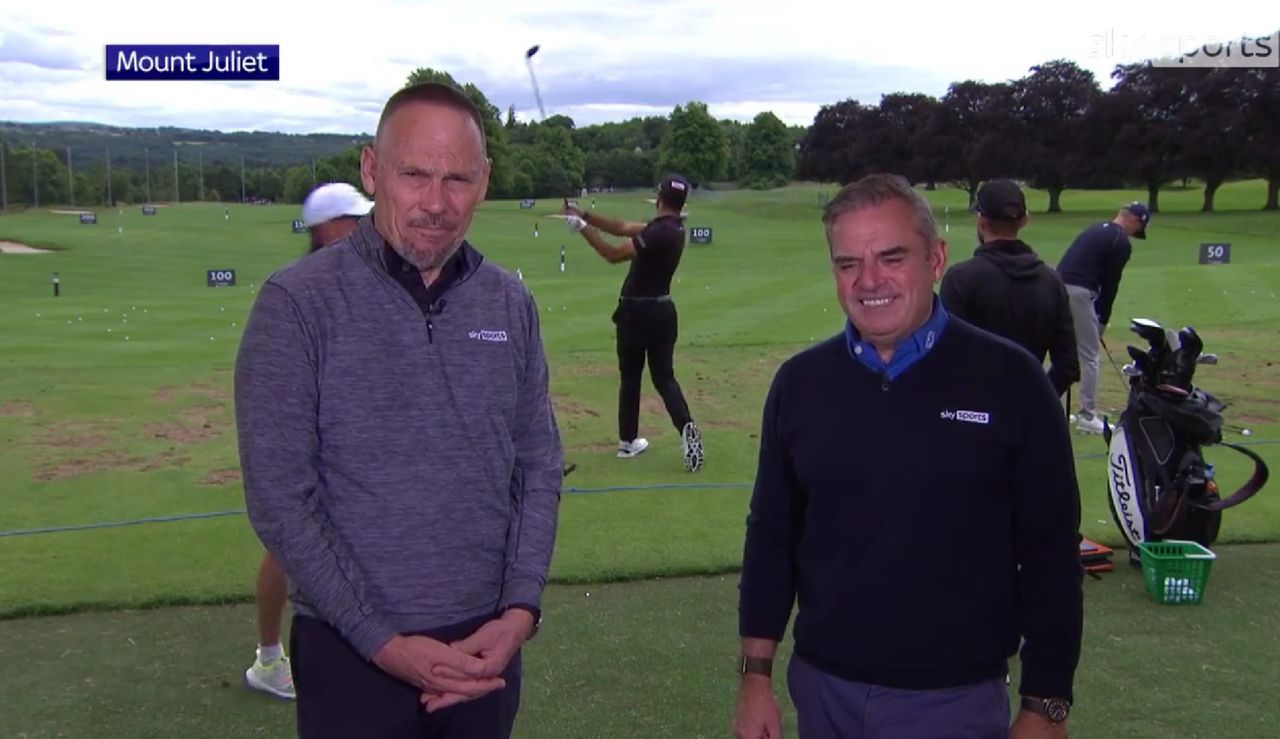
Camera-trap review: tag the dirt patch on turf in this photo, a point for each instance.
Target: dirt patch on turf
(197, 426)
(212, 389)
(216, 478)
(74, 435)
(17, 409)
(570, 409)
(13, 247)
(108, 459)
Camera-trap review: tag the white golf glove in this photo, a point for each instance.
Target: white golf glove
(575, 223)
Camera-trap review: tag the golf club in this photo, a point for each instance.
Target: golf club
(528, 61)
(1119, 372)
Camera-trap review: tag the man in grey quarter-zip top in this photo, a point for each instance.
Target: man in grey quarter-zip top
(400, 453)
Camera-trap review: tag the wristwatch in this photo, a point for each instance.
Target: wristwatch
(535, 612)
(755, 666)
(1054, 709)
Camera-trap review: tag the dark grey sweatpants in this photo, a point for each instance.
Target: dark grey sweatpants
(828, 707)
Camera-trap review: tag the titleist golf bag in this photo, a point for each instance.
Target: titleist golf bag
(1161, 487)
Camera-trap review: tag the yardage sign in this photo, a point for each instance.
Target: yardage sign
(222, 278)
(88, 218)
(1219, 253)
(148, 210)
(299, 226)
(527, 203)
(700, 234)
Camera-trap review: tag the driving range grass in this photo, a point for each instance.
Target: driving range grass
(645, 659)
(97, 428)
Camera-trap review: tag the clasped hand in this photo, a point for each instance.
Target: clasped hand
(464, 670)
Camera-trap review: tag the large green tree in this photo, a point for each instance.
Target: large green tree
(768, 153)
(694, 145)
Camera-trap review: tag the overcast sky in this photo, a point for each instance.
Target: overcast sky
(599, 60)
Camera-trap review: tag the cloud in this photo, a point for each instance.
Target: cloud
(17, 46)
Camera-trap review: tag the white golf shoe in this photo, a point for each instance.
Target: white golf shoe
(629, 449)
(691, 446)
(1087, 424)
(274, 677)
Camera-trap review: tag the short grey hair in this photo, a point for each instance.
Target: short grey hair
(875, 189)
(432, 92)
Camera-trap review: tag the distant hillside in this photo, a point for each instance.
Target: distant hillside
(89, 142)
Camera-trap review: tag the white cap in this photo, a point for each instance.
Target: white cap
(333, 200)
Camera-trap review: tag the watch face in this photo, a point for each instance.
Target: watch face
(1056, 710)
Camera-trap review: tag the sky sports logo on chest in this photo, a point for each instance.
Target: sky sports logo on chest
(966, 416)
(193, 62)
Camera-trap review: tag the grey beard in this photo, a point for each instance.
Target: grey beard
(424, 262)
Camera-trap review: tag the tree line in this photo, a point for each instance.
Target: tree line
(1055, 129)
(535, 159)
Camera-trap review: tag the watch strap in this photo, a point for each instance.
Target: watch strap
(755, 666)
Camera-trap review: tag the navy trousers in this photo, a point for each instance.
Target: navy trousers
(828, 707)
(342, 696)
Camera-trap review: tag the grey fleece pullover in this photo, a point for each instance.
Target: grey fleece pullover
(407, 476)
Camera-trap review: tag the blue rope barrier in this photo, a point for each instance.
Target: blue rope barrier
(610, 489)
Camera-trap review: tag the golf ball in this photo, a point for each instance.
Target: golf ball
(210, 338)
(37, 315)
(1247, 432)
(233, 324)
(108, 330)
(79, 318)
(126, 338)
(1072, 418)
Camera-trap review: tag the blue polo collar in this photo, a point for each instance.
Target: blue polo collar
(909, 351)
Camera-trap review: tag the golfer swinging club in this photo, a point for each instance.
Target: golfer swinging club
(647, 325)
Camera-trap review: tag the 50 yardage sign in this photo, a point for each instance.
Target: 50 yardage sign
(1215, 253)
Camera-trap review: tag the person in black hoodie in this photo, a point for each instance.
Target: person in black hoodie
(1006, 289)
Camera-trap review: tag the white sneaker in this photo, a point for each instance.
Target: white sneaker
(1088, 424)
(629, 449)
(691, 446)
(274, 677)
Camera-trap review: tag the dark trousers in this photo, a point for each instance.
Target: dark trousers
(342, 696)
(828, 707)
(647, 331)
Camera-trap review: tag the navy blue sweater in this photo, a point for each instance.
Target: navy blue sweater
(1096, 261)
(924, 524)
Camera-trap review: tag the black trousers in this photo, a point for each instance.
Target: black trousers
(647, 331)
(342, 696)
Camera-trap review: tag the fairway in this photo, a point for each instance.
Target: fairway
(115, 397)
(646, 659)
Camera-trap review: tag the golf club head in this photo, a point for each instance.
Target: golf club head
(1152, 332)
(1184, 359)
(1207, 359)
(532, 50)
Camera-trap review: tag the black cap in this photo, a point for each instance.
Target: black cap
(674, 190)
(1143, 214)
(1002, 200)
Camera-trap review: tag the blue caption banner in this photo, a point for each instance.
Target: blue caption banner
(193, 62)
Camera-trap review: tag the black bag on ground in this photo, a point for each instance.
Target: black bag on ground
(1161, 488)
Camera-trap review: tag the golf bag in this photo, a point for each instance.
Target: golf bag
(1161, 487)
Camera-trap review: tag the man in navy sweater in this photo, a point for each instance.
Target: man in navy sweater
(1091, 268)
(916, 496)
